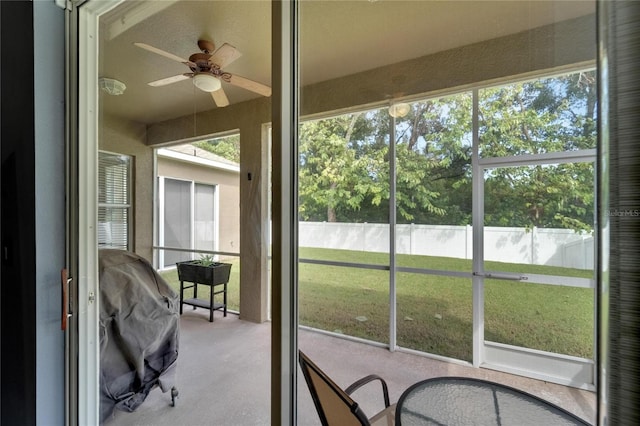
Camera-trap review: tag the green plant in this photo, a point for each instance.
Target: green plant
(206, 260)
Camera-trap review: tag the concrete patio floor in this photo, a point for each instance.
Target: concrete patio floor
(224, 376)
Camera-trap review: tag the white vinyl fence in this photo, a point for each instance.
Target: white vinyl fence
(537, 246)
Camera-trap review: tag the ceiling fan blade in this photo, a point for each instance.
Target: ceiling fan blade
(224, 55)
(254, 86)
(161, 52)
(169, 80)
(220, 98)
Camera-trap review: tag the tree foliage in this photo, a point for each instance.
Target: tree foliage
(344, 160)
(226, 147)
(542, 116)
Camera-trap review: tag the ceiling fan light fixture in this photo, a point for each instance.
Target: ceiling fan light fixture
(206, 82)
(399, 110)
(112, 86)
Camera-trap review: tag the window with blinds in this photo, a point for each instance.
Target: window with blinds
(114, 200)
(188, 217)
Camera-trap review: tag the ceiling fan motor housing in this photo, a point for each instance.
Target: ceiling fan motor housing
(206, 46)
(206, 82)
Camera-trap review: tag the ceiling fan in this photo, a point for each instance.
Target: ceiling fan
(207, 70)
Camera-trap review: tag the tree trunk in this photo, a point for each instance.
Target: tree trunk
(331, 211)
(331, 214)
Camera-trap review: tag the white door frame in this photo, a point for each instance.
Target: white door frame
(88, 294)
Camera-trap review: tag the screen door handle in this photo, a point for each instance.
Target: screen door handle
(65, 281)
(499, 276)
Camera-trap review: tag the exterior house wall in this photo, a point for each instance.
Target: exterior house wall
(120, 136)
(228, 187)
(249, 119)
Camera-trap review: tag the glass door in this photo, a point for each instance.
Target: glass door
(123, 46)
(176, 220)
(537, 159)
(204, 221)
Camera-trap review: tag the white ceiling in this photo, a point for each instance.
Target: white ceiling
(337, 38)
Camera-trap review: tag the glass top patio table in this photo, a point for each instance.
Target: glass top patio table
(458, 401)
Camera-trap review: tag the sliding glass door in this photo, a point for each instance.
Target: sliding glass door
(188, 213)
(457, 186)
(205, 228)
(176, 223)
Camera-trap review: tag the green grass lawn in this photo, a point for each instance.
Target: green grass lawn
(434, 313)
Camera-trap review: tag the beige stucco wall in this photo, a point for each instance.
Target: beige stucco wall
(555, 47)
(228, 186)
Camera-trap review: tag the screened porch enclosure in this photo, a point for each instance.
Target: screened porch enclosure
(469, 237)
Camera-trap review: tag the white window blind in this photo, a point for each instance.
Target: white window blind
(114, 200)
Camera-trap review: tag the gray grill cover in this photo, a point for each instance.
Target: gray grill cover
(138, 331)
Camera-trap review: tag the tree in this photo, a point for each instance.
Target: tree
(332, 175)
(546, 115)
(433, 147)
(344, 161)
(226, 147)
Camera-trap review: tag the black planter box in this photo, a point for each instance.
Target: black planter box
(214, 274)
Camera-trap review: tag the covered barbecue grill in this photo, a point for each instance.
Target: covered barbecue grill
(138, 332)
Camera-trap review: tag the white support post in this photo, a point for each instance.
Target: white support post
(478, 241)
(392, 236)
